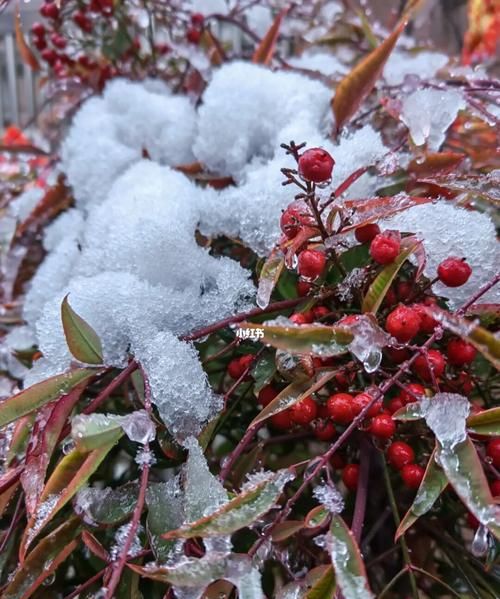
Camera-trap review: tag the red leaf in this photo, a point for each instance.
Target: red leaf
(94, 546)
(439, 163)
(265, 50)
(24, 50)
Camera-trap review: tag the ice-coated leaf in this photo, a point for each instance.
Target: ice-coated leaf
(284, 530)
(269, 275)
(358, 84)
(303, 339)
(484, 341)
(431, 487)
(191, 572)
(409, 412)
(294, 393)
(322, 583)
(435, 163)
(347, 561)
(40, 394)
(46, 433)
(24, 50)
(382, 282)
(43, 561)
(82, 340)
(106, 506)
(165, 503)
(253, 502)
(465, 473)
(91, 431)
(317, 517)
(265, 50)
(68, 477)
(263, 371)
(485, 423)
(368, 340)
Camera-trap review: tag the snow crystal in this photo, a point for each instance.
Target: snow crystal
(445, 414)
(428, 113)
(68, 225)
(330, 497)
(450, 231)
(401, 63)
(121, 537)
(246, 106)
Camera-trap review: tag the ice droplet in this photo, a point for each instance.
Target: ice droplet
(480, 543)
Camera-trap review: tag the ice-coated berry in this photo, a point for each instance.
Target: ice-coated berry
(384, 249)
(403, 323)
(412, 475)
(454, 272)
(316, 165)
(350, 475)
(493, 452)
(460, 352)
(366, 233)
(435, 360)
(383, 426)
(340, 408)
(304, 411)
(400, 454)
(311, 263)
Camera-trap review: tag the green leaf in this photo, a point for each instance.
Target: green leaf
(81, 338)
(465, 474)
(324, 586)
(108, 507)
(356, 257)
(263, 371)
(163, 514)
(485, 423)
(347, 562)
(304, 339)
(317, 517)
(380, 286)
(68, 477)
(431, 487)
(269, 276)
(239, 512)
(41, 393)
(52, 550)
(284, 530)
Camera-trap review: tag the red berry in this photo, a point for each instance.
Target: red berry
(472, 521)
(324, 430)
(460, 352)
(412, 475)
(282, 420)
(49, 10)
(237, 366)
(427, 323)
(384, 249)
(266, 395)
(493, 452)
(49, 56)
(193, 35)
(404, 290)
(366, 233)
(394, 405)
(495, 488)
(350, 475)
(299, 318)
(40, 43)
(400, 454)
(361, 400)
(337, 461)
(290, 221)
(434, 359)
(383, 426)
(304, 411)
(197, 19)
(320, 312)
(390, 297)
(81, 19)
(316, 165)
(407, 394)
(58, 41)
(403, 323)
(303, 288)
(311, 263)
(340, 408)
(38, 29)
(454, 272)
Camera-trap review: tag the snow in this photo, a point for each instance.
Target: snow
(330, 497)
(428, 113)
(325, 63)
(22, 206)
(402, 63)
(447, 230)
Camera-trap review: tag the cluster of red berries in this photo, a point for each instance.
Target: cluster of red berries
(402, 457)
(193, 33)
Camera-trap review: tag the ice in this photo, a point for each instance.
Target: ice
(401, 63)
(68, 225)
(428, 113)
(121, 537)
(481, 542)
(138, 427)
(204, 494)
(330, 497)
(450, 231)
(245, 108)
(165, 501)
(351, 585)
(445, 414)
(369, 340)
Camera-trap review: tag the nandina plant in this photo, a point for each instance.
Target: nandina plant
(210, 395)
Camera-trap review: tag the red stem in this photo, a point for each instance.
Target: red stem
(358, 518)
